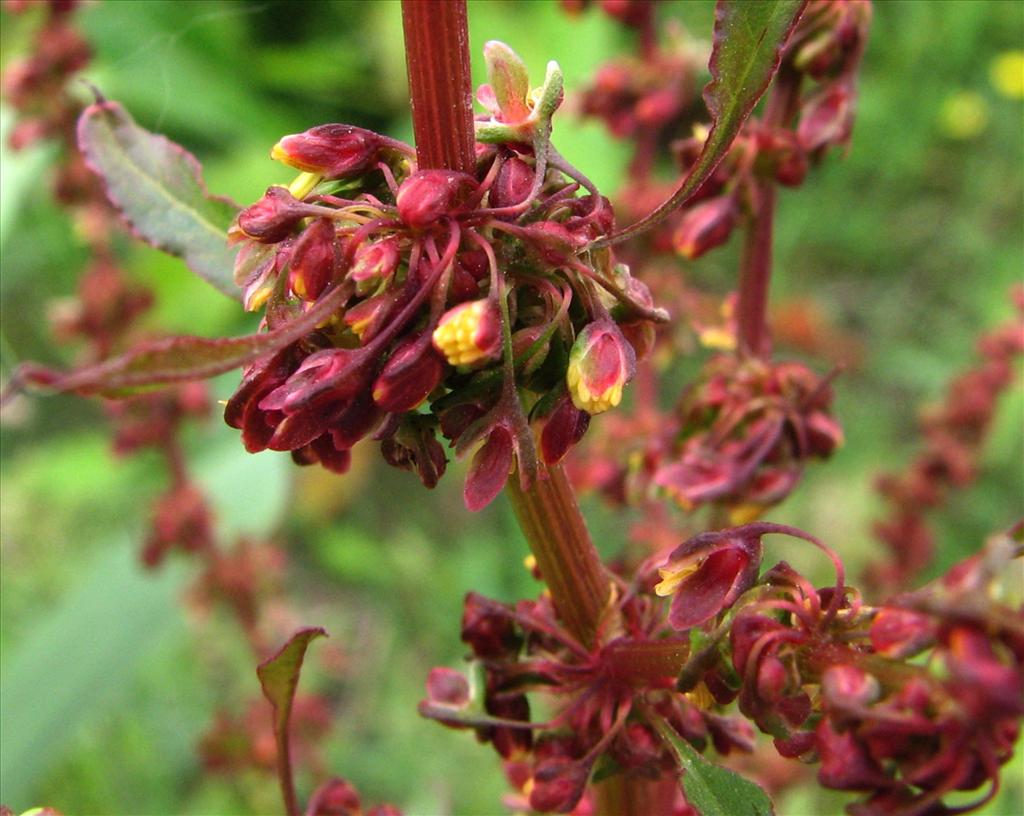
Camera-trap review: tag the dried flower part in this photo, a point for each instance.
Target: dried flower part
(469, 333)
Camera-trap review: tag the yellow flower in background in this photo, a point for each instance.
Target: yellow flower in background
(964, 115)
(1007, 74)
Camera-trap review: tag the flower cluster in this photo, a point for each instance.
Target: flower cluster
(607, 695)
(464, 305)
(746, 428)
(954, 433)
(796, 130)
(904, 702)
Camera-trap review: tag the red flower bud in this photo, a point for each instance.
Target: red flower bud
(513, 184)
(335, 797)
(901, 633)
(429, 195)
(601, 362)
(374, 263)
(847, 687)
(366, 318)
(827, 118)
(312, 260)
(469, 333)
(448, 687)
(706, 226)
(408, 377)
(273, 217)
(332, 151)
(558, 785)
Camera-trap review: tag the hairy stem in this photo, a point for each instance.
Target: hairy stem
(440, 86)
(570, 566)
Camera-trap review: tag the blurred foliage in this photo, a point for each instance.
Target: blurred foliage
(909, 244)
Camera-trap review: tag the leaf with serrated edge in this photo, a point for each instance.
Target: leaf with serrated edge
(157, 186)
(748, 41)
(712, 789)
(177, 359)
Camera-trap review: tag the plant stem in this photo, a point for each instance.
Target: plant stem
(756, 260)
(437, 56)
(440, 86)
(570, 566)
(756, 273)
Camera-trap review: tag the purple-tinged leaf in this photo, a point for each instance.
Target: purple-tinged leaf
(158, 187)
(748, 40)
(711, 789)
(176, 359)
(279, 677)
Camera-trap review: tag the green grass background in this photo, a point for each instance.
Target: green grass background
(910, 244)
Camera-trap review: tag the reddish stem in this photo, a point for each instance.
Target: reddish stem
(570, 566)
(756, 260)
(440, 86)
(756, 273)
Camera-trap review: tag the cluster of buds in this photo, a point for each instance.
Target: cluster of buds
(796, 130)
(37, 88)
(606, 694)
(954, 433)
(905, 702)
(648, 95)
(453, 303)
(744, 432)
(35, 85)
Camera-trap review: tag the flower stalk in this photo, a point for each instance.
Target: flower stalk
(756, 259)
(440, 86)
(558, 537)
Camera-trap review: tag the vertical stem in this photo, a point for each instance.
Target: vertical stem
(570, 566)
(756, 273)
(756, 260)
(440, 86)
(437, 55)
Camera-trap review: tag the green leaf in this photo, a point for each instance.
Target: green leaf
(748, 40)
(279, 677)
(157, 185)
(712, 789)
